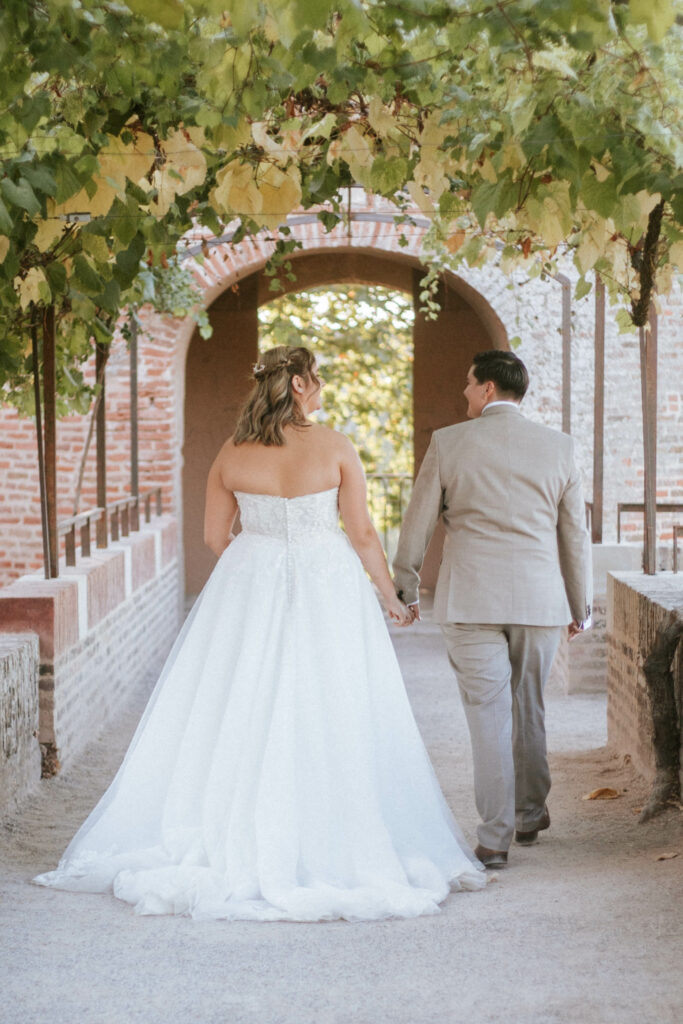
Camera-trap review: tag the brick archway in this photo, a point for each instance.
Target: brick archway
(443, 349)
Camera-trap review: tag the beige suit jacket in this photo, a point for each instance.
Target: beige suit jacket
(517, 551)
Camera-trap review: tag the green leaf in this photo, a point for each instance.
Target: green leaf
(583, 288)
(21, 194)
(6, 222)
(167, 13)
(600, 196)
(56, 275)
(388, 175)
(128, 260)
(41, 178)
(85, 275)
(658, 15)
(67, 182)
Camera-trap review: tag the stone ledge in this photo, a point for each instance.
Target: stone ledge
(636, 607)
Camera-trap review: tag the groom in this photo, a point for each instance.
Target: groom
(515, 570)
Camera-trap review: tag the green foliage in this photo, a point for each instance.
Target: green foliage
(362, 339)
(523, 130)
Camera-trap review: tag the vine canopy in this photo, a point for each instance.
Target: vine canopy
(524, 130)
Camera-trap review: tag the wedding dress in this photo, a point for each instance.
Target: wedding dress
(277, 772)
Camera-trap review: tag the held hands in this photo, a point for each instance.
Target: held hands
(398, 612)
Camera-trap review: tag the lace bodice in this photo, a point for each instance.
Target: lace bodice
(290, 519)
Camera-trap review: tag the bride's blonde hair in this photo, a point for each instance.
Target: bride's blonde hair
(272, 405)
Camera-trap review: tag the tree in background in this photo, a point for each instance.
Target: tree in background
(362, 338)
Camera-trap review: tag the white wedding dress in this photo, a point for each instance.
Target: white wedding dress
(277, 772)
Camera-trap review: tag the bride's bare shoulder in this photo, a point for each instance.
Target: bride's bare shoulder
(332, 439)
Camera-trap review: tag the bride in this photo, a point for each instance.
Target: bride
(277, 772)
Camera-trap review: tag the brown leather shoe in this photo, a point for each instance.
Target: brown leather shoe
(527, 838)
(491, 858)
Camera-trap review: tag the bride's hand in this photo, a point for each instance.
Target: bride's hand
(398, 612)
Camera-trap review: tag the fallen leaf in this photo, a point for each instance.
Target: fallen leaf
(666, 856)
(636, 810)
(603, 793)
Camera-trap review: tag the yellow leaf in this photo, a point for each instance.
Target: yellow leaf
(676, 255)
(593, 243)
(357, 151)
(487, 172)
(120, 160)
(50, 229)
(433, 132)
(552, 60)
(381, 119)
(603, 793)
(236, 191)
(259, 132)
(419, 197)
(4, 247)
(280, 194)
(429, 173)
(183, 170)
(32, 288)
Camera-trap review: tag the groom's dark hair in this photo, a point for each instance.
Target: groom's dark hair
(505, 369)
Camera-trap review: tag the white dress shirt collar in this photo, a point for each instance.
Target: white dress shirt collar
(501, 401)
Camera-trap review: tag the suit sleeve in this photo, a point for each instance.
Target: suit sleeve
(574, 545)
(422, 514)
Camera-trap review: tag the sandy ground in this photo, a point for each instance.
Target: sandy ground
(585, 926)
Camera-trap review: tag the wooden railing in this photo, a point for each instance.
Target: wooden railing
(123, 517)
(639, 506)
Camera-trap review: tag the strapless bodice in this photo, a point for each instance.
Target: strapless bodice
(290, 519)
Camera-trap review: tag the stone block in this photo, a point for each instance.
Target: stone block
(143, 559)
(46, 607)
(636, 607)
(19, 748)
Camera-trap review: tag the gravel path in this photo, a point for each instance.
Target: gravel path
(585, 927)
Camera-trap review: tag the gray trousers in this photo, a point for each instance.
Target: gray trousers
(501, 671)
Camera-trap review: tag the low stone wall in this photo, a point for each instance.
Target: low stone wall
(103, 627)
(19, 750)
(637, 605)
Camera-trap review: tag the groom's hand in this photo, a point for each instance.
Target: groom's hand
(414, 610)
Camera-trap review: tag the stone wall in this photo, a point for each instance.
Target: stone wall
(104, 628)
(19, 750)
(637, 606)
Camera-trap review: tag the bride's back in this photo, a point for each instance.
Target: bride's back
(308, 461)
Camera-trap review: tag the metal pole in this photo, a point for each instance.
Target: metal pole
(39, 442)
(598, 412)
(648, 376)
(101, 422)
(566, 284)
(134, 482)
(50, 455)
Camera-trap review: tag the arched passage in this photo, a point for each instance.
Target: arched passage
(218, 370)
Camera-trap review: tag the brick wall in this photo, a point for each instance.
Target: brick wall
(20, 531)
(530, 309)
(19, 750)
(637, 605)
(104, 628)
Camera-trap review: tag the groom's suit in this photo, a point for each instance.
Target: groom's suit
(515, 570)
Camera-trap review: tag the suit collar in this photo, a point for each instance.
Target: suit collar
(501, 407)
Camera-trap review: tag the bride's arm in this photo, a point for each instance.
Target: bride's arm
(219, 511)
(353, 506)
